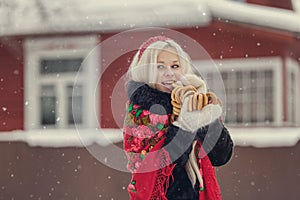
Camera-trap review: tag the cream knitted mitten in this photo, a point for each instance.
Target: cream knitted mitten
(192, 121)
(194, 80)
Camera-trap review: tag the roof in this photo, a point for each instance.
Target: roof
(276, 18)
(20, 17)
(41, 16)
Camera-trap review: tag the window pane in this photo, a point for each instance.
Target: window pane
(75, 102)
(268, 96)
(48, 105)
(291, 98)
(50, 66)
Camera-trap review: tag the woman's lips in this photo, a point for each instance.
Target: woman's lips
(168, 83)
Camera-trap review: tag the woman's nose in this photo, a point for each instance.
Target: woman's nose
(169, 71)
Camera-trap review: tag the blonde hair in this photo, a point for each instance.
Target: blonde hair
(143, 67)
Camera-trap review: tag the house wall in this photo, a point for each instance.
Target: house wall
(286, 4)
(72, 173)
(230, 40)
(221, 41)
(11, 84)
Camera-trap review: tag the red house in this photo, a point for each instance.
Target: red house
(62, 72)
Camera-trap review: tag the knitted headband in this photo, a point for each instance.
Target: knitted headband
(151, 40)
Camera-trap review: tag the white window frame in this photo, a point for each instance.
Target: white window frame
(240, 1)
(292, 67)
(254, 64)
(296, 6)
(61, 47)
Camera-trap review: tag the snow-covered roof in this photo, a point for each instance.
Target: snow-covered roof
(42, 16)
(265, 16)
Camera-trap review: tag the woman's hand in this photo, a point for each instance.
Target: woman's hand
(191, 121)
(194, 80)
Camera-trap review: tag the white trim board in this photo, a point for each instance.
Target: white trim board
(243, 137)
(63, 137)
(292, 66)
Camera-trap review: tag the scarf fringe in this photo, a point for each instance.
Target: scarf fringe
(163, 179)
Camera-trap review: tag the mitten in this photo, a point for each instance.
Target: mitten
(191, 121)
(194, 80)
(179, 93)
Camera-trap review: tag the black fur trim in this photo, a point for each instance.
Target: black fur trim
(149, 98)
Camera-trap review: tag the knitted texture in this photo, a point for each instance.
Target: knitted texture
(150, 41)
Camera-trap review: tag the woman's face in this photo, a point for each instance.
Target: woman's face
(168, 70)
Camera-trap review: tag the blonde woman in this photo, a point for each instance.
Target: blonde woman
(166, 156)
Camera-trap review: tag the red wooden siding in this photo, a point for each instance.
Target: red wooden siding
(231, 40)
(285, 4)
(113, 100)
(221, 40)
(11, 84)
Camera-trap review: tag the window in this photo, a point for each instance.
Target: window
(253, 90)
(60, 82)
(249, 96)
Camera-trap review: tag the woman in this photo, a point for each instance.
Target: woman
(166, 157)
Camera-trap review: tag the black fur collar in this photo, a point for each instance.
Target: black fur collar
(149, 98)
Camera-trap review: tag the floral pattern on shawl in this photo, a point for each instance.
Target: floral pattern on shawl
(142, 131)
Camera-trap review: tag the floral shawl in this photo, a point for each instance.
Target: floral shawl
(144, 132)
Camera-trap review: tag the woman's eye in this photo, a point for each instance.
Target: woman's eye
(175, 66)
(172, 66)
